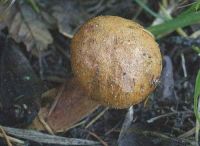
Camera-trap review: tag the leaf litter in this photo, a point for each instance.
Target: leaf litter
(173, 119)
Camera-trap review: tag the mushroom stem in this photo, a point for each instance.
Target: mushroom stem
(72, 106)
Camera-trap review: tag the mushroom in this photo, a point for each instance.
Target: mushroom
(116, 63)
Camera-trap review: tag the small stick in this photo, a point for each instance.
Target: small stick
(47, 127)
(188, 133)
(197, 127)
(6, 137)
(74, 126)
(98, 138)
(12, 139)
(96, 118)
(70, 36)
(56, 100)
(166, 115)
(183, 65)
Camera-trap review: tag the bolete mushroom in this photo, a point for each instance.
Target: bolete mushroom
(116, 62)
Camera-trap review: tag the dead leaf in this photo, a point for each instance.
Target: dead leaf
(27, 26)
(72, 105)
(69, 15)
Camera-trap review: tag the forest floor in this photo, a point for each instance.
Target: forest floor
(35, 58)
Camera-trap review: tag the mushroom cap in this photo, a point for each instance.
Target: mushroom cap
(116, 60)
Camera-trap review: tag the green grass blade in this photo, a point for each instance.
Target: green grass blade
(197, 7)
(34, 5)
(175, 23)
(193, 8)
(196, 96)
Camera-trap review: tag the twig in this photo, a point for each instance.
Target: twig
(183, 65)
(167, 115)
(197, 127)
(60, 92)
(70, 36)
(163, 136)
(96, 118)
(6, 137)
(46, 126)
(46, 138)
(197, 133)
(188, 133)
(112, 129)
(14, 140)
(74, 126)
(98, 138)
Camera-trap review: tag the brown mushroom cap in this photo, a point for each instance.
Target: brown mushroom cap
(116, 60)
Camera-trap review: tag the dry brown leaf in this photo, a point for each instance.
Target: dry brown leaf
(27, 26)
(69, 15)
(72, 105)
